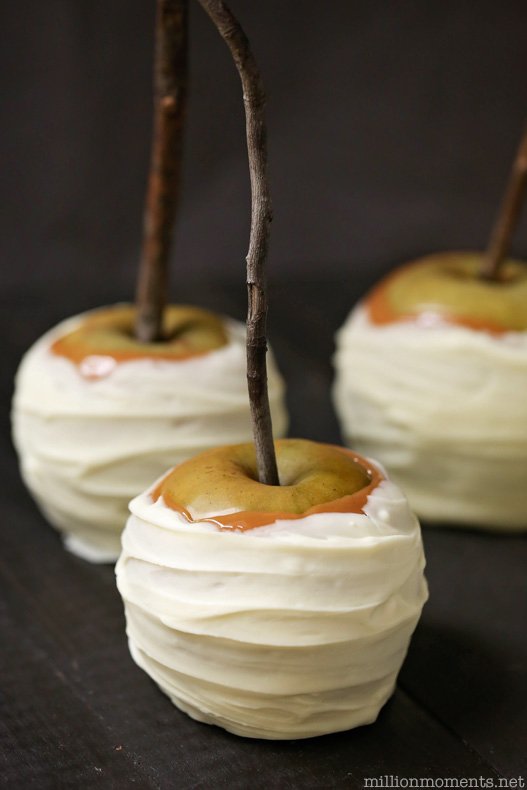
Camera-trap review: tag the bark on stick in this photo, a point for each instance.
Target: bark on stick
(508, 215)
(170, 88)
(261, 215)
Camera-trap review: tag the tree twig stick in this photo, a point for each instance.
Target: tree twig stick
(508, 215)
(261, 215)
(170, 87)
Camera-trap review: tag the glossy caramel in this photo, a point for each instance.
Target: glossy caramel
(316, 478)
(105, 338)
(445, 288)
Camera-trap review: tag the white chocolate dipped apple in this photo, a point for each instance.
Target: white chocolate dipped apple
(97, 415)
(271, 589)
(269, 610)
(431, 371)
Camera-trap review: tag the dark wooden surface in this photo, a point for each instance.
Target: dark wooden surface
(76, 712)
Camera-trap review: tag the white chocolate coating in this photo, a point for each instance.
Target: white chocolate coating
(444, 409)
(290, 630)
(87, 446)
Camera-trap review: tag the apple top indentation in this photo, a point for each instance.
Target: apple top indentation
(109, 333)
(222, 486)
(445, 288)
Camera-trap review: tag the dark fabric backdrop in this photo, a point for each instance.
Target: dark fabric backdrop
(392, 126)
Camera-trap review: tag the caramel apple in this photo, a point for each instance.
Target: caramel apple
(271, 588)
(430, 372)
(98, 415)
(431, 368)
(273, 611)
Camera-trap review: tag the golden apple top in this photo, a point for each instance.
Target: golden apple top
(446, 288)
(222, 486)
(109, 332)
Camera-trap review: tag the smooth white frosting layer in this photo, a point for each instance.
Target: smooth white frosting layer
(87, 447)
(444, 409)
(291, 630)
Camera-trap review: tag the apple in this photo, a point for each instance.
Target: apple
(98, 415)
(430, 371)
(273, 611)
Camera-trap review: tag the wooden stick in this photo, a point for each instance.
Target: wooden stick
(261, 216)
(170, 88)
(508, 215)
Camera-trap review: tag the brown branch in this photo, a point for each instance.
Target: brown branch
(261, 215)
(508, 215)
(170, 87)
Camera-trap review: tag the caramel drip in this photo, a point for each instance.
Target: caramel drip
(381, 312)
(244, 520)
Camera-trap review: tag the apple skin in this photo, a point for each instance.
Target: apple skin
(446, 286)
(225, 479)
(188, 332)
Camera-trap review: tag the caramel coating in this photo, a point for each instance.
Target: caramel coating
(446, 286)
(109, 332)
(314, 478)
